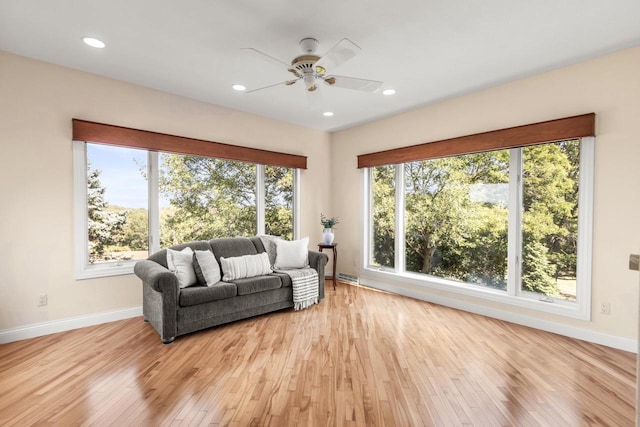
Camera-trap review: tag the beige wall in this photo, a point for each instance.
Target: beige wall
(37, 102)
(608, 86)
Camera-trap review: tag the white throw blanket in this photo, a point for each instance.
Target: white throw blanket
(305, 287)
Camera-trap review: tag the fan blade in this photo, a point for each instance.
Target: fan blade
(287, 83)
(344, 50)
(266, 56)
(353, 83)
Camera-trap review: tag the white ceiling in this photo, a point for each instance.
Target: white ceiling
(427, 50)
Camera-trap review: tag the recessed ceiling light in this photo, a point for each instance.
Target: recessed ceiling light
(93, 42)
(388, 92)
(328, 113)
(239, 88)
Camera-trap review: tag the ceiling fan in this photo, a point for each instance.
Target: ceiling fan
(312, 69)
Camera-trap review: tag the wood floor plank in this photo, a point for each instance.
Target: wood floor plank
(360, 358)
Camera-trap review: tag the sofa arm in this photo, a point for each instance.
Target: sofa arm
(160, 298)
(160, 279)
(317, 261)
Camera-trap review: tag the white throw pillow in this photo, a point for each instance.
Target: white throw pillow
(181, 264)
(292, 254)
(245, 266)
(206, 268)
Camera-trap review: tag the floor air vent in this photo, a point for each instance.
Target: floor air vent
(347, 278)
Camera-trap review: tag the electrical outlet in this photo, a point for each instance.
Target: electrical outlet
(605, 308)
(42, 300)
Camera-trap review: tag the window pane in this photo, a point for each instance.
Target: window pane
(457, 218)
(383, 216)
(203, 198)
(550, 218)
(117, 203)
(278, 200)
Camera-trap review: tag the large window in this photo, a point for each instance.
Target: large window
(510, 225)
(131, 202)
(278, 201)
(456, 218)
(204, 198)
(117, 204)
(550, 193)
(383, 197)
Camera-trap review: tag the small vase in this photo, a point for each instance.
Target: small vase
(327, 236)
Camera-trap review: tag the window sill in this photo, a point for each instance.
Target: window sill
(561, 308)
(94, 271)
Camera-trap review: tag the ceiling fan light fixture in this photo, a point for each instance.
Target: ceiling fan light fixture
(310, 82)
(93, 42)
(388, 92)
(239, 87)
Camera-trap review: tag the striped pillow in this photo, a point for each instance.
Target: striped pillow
(245, 266)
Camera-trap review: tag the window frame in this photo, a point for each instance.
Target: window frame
(85, 270)
(514, 296)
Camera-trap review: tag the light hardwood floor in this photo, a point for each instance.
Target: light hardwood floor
(361, 357)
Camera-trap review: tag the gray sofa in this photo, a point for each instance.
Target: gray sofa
(173, 311)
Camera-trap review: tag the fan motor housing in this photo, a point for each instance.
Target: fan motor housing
(305, 63)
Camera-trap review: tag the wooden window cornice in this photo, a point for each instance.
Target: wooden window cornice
(117, 135)
(519, 136)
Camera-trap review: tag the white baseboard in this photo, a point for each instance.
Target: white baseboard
(509, 316)
(54, 326)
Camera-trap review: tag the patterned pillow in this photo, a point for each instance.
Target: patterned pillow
(245, 266)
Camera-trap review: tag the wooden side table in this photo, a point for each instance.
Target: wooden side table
(333, 247)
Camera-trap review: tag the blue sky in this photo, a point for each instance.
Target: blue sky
(121, 176)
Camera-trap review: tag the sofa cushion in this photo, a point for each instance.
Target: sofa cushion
(161, 256)
(252, 285)
(195, 295)
(232, 247)
(258, 244)
(286, 279)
